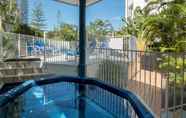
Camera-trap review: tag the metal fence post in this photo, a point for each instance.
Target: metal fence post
(44, 60)
(33, 46)
(26, 48)
(19, 45)
(1, 46)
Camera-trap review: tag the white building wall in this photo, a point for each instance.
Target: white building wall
(130, 6)
(140, 3)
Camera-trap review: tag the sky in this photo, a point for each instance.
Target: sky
(112, 10)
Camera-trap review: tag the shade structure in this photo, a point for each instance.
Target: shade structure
(76, 2)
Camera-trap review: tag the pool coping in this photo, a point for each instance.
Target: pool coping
(139, 107)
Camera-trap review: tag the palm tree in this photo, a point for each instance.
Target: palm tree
(168, 25)
(99, 29)
(133, 26)
(161, 23)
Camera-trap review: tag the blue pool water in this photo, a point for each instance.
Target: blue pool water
(59, 97)
(58, 101)
(65, 109)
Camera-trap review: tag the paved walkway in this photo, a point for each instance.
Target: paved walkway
(148, 84)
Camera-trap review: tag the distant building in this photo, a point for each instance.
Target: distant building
(23, 10)
(128, 9)
(130, 6)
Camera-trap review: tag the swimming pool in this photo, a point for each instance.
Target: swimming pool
(61, 97)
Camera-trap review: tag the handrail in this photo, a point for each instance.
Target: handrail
(21, 59)
(141, 110)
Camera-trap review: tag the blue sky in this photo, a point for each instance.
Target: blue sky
(112, 10)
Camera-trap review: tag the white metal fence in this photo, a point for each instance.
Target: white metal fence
(158, 78)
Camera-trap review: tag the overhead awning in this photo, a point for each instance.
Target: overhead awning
(76, 2)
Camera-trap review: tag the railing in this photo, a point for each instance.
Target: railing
(50, 51)
(129, 105)
(157, 78)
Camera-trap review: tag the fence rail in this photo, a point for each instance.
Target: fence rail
(51, 51)
(159, 79)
